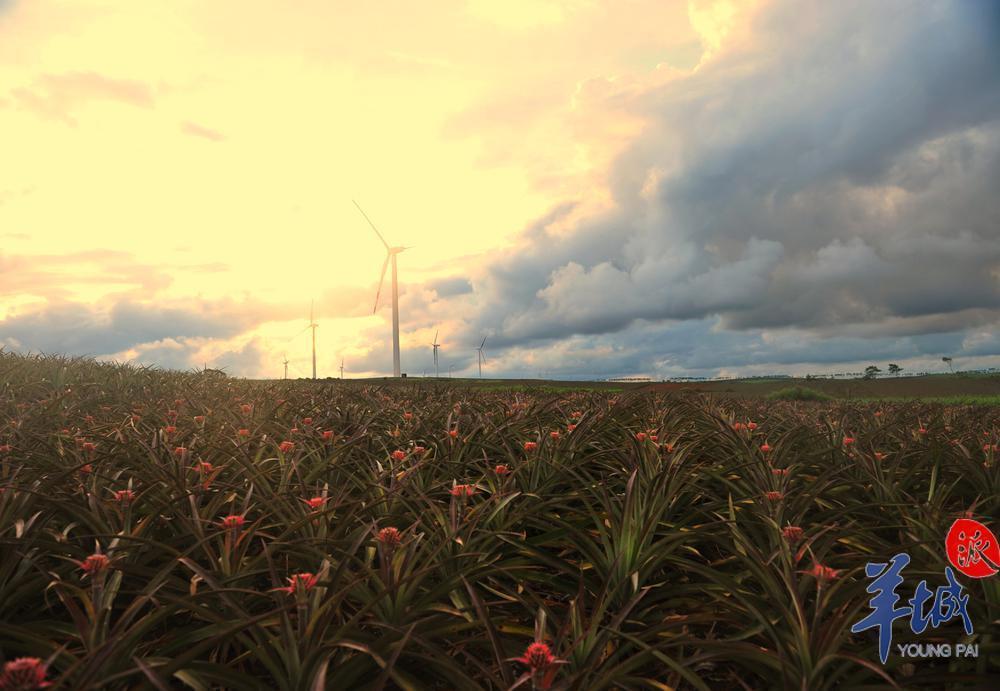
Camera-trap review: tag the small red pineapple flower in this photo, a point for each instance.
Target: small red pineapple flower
(307, 421)
(24, 674)
(576, 415)
(453, 433)
(398, 455)
(780, 472)
(737, 426)
(170, 429)
(244, 432)
(653, 438)
(88, 446)
(879, 456)
(418, 450)
(774, 496)
(463, 490)
(765, 447)
(6, 448)
(233, 522)
(293, 430)
(315, 503)
(390, 537)
(299, 583)
(286, 446)
(87, 468)
(180, 451)
(95, 564)
(541, 663)
(792, 534)
(537, 656)
(848, 441)
(554, 434)
(172, 415)
(822, 573)
(501, 469)
(124, 496)
(640, 436)
(245, 408)
(407, 416)
(922, 430)
(327, 435)
(530, 446)
(669, 448)
(199, 419)
(136, 418)
(570, 428)
(751, 426)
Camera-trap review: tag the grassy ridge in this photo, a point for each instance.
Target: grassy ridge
(646, 543)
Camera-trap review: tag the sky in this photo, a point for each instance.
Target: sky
(600, 189)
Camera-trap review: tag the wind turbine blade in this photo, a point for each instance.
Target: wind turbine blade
(435, 337)
(381, 280)
(306, 328)
(484, 342)
(371, 224)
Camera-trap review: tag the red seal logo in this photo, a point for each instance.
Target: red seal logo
(972, 548)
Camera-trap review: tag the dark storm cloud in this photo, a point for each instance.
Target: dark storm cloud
(839, 174)
(246, 361)
(450, 287)
(78, 329)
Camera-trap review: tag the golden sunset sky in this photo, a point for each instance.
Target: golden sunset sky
(178, 175)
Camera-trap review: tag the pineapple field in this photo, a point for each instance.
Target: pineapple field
(163, 530)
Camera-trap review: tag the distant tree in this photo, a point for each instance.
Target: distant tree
(948, 360)
(894, 368)
(871, 371)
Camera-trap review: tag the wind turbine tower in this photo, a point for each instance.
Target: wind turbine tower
(313, 325)
(390, 255)
(341, 368)
(436, 345)
(482, 356)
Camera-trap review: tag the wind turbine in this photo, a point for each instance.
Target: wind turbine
(390, 254)
(341, 368)
(313, 325)
(286, 366)
(436, 345)
(482, 356)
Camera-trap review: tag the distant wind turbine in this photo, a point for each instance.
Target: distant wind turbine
(313, 325)
(390, 254)
(436, 345)
(286, 366)
(482, 356)
(341, 368)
